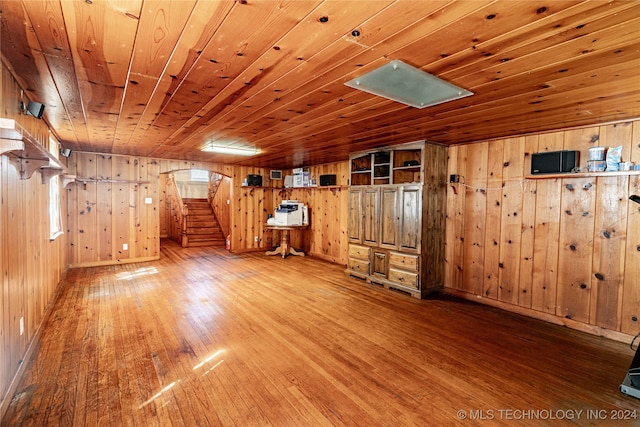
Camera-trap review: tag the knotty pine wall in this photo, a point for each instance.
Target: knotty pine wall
(563, 249)
(106, 206)
(221, 207)
(32, 266)
(326, 236)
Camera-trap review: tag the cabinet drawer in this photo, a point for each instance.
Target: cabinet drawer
(404, 278)
(359, 252)
(359, 265)
(404, 261)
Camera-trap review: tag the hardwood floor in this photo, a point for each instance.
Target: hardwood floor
(205, 338)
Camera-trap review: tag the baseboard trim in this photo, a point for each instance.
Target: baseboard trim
(114, 262)
(550, 318)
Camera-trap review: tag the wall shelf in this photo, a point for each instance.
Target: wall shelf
(26, 153)
(581, 175)
(316, 187)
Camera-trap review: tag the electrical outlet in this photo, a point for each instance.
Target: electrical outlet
(255, 239)
(22, 326)
(148, 200)
(125, 247)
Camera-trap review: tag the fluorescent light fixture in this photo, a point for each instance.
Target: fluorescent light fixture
(227, 149)
(407, 84)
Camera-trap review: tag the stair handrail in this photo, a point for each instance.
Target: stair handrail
(214, 183)
(179, 210)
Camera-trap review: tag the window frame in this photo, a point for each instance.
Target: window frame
(55, 197)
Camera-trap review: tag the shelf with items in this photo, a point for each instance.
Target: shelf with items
(361, 170)
(407, 166)
(382, 167)
(381, 174)
(27, 153)
(581, 174)
(402, 164)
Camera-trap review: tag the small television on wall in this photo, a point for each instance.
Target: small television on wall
(275, 174)
(554, 161)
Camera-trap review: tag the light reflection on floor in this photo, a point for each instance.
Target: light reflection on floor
(197, 367)
(130, 275)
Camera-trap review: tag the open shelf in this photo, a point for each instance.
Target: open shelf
(27, 153)
(391, 166)
(581, 174)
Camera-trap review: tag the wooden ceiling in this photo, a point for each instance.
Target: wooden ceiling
(162, 78)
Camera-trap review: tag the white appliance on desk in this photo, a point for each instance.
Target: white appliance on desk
(292, 212)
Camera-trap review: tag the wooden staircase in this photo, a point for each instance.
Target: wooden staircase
(202, 226)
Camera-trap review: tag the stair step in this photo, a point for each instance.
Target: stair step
(202, 227)
(202, 221)
(208, 216)
(205, 243)
(200, 211)
(202, 224)
(204, 231)
(200, 238)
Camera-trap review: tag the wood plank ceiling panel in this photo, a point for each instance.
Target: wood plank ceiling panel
(42, 61)
(161, 25)
(197, 34)
(101, 66)
(479, 102)
(451, 18)
(247, 31)
(162, 77)
(329, 91)
(476, 100)
(312, 72)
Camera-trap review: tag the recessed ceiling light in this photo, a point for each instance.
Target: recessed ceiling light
(409, 85)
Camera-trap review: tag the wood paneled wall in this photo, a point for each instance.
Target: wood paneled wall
(164, 208)
(563, 249)
(221, 204)
(31, 265)
(109, 209)
(326, 236)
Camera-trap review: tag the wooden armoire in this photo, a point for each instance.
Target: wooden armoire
(397, 214)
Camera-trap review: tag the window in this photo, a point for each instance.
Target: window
(55, 212)
(199, 175)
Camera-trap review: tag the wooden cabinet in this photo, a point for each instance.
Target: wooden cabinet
(388, 217)
(410, 218)
(387, 209)
(358, 261)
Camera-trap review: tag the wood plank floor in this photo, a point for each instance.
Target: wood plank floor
(206, 338)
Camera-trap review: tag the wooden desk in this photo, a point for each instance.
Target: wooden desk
(284, 249)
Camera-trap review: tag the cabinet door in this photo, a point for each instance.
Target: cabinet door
(379, 264)
(370, 207)
(354, 221)
(410, 208)
(389, 218)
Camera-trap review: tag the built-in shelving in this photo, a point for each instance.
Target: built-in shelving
(107, 180)
(581, 174)
(401, 165)
(313, 187)
(27, 153)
